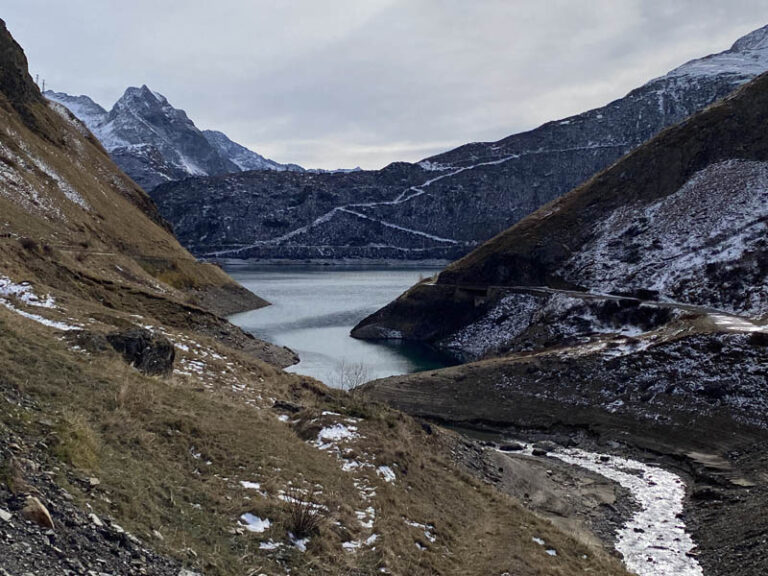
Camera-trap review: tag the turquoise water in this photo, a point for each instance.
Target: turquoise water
(314, 308)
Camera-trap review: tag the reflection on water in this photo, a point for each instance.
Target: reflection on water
(314, 308)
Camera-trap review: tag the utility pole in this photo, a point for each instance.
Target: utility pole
(37, 80)
(43, 84)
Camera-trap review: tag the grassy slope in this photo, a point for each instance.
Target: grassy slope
(149, 440)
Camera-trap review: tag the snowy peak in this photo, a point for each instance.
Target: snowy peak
(154, 143)
(748, 57)
(755, 40)
(88, 111)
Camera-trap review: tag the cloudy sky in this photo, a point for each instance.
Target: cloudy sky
(342, 83)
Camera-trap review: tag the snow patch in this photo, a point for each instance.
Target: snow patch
(254, 523)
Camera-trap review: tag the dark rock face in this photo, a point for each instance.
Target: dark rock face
(147, 352)
(448, 204)
(154, 143)
(15, 81)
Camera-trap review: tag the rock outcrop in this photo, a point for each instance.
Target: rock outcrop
(147, 352)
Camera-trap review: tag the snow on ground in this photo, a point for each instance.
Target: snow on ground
(24, 293)
(428, 529)
(12, 293)
(505, 321)
(654, 541)
(433, 166)
(714, 222)
(63, 186)
(330, 436)
(748, 57)
(254, 523)
(386, 473)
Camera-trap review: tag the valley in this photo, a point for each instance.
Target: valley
(543, 355)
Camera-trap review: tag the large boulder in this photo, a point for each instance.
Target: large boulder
(149, 353)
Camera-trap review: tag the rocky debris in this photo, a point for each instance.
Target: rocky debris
(286, 406)
(150, 353)
(35, 511)
(59, 538)
(511, 447)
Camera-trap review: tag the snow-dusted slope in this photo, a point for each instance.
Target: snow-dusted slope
(702, 243)
(86, 110)
(153, 142)
(683, 220)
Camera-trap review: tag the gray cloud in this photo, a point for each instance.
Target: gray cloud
(367, 82)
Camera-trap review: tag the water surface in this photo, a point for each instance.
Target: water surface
(314, 308)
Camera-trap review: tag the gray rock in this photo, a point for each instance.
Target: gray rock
(149, 353)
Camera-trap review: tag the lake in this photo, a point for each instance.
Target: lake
(313, 309)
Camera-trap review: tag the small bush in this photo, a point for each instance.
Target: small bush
(29, 244)
(304, 517)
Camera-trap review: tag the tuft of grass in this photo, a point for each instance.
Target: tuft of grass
(304, 518)
(78, 443)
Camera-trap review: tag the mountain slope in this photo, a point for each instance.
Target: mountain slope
(140, 432)
(448, 204)
(682, 218)
(153, 142)
(629, 316)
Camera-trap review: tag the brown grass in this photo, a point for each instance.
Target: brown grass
(77, 442)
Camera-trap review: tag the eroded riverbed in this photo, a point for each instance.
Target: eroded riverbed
(654, 540)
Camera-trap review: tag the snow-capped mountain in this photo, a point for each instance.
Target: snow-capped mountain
(154, 143)
(447, 204)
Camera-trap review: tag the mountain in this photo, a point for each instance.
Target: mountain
(680, 219)
(141, 433)
(242, 157)
(153, 142)
(628, 316)
(448, 204)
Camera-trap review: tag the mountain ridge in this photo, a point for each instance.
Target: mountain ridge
(155, 142)
(445, 205)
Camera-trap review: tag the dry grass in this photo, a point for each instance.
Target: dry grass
(171, 455)
(77, 442)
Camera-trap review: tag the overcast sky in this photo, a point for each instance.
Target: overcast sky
(341, 83)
